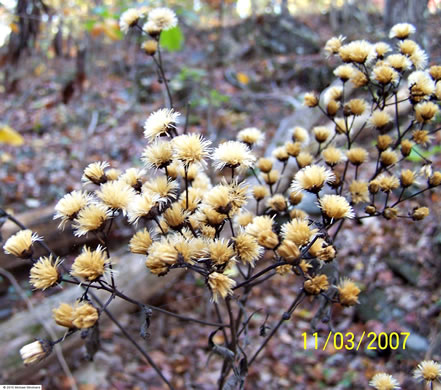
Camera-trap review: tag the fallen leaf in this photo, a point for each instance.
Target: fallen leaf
(242, 78)
(10, 136)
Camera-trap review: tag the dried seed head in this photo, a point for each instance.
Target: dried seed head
(383, 142)
(435, 179)
(94, 173)
(133, 177)
(382, 381)
(218, 198)
(150, 47)
(297, 231)
(128, 19)
(435, 72)
(421, 86)
(333, 45)
(344, 72)
(268, 239)
(310, 100)
(161, 188)
(85, 316)
(420, 213)
(142, 206)
(265, 164)
(336, 207)
(251, 136)
(390, 212)
(385, 74)
(388, 157)
(406, 147)
(68, 207)
(300, 134)
(437, 92)
(401, 30)
(316, 285)
(271, 177)
(357, 156)
(388, 183)
(163, 18)
(277, 203)
(20, 244)
(113, 174)
(233, 154)
(284, 269)
(332, 156)
(219, 252)
(35, 352)
(399, 62)
(44, 273)
(298, 214)
(117, 195)
(332, 107)
(63, 315)
(321, 133)
(374, 186)
(381, 48)
(304, 159)
(91, 219)
(341, 126)
(247, 248)
(140, 242)
(428, 370)
(348, 292)
(191, 149)
(160, 123)
(281, 154)
(158, 155)
(407, 47)
(359, 191)
(355, 107)
(358, 52)
(312, 179)
(259, 192)
(419, 59)
(371, 210)
(421, 137)
(289, 251)
(220, 285)
(90, 264)
(295, 197)
(359, 79)
(293, 148)
(425, 112)
(243, 219)
(407, 178)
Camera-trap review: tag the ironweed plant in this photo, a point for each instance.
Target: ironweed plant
(240, 231)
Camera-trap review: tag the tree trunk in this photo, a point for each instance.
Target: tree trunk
(410, 11)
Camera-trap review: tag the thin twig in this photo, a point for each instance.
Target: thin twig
(284, 317)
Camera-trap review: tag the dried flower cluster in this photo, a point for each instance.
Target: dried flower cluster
(235, 231)
(427, 371)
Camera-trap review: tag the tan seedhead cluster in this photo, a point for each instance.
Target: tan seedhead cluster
(225, 212)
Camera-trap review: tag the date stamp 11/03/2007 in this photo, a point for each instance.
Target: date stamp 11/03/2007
(350, 342)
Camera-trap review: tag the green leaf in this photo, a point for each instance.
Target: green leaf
(172, 39)
(88, 24)
(416, 153)
(218, 98)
